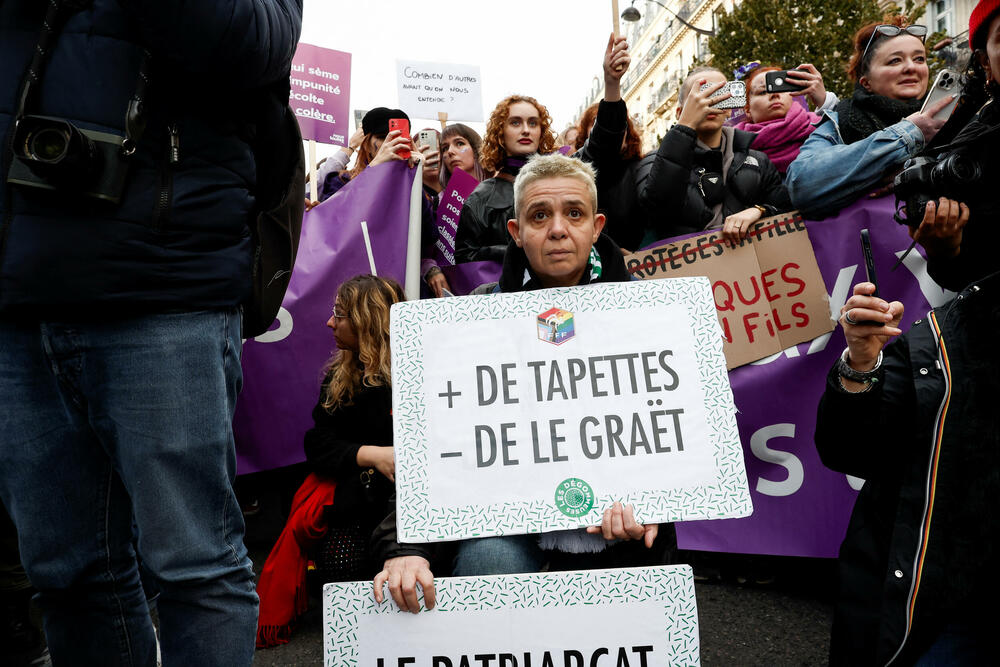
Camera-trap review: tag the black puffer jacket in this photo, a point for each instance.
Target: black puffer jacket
(617, 194)
(179, 240)
(670, 192)
(923, 543)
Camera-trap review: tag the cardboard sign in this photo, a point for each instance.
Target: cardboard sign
(768, 290)
(460, 186)
(320, 95)
(425, 89)
(535, 411)
(635, 617)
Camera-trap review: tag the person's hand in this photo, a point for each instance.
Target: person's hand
(736, 226)
(698, 103)
(925, 120)
(354, 143)
(389, 150)
(310, 204)
(380, 458)
(616, 62)
(437, 282)
(865, 341)
(810, 77)
(432, 165)
(403, 574)
(618, 523)
(940, 232)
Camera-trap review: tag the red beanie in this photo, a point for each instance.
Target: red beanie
(977, 21)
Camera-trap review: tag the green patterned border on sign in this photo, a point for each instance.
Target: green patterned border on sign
(673, 585)
(727, 497)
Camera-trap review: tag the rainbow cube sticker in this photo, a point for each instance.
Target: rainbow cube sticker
(555, 326)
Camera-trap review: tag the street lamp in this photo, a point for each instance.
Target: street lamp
(632, 15)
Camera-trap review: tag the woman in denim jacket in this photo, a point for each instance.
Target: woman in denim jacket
(870, 134)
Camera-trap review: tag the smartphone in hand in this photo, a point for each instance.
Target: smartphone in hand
(778, 82)
(945, 84)
(403, 126)
(866, 250)
(428, 138)
(738, 89)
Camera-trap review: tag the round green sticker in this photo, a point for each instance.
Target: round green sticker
(574, 497)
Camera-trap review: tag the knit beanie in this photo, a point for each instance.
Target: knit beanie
(979, 20)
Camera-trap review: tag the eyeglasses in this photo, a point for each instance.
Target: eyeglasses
(337, 315)
(918, 31)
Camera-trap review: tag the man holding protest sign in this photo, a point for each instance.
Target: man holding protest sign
(556, 242)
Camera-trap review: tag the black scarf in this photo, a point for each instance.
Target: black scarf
(865, 113)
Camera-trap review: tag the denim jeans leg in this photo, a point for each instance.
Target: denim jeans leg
(72, 513)
(163, 395)
(511, 554)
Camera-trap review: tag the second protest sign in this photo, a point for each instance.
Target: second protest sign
(532, 412)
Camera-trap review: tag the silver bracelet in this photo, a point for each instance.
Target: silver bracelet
(846, 371)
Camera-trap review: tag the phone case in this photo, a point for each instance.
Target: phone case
(428, 138)
(403, 126)
(737, 101)
(946, 83)
(778, 82)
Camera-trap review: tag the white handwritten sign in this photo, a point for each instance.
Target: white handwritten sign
(531, 412)
(427, 88)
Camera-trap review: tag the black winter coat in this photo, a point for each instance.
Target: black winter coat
(179, 240)
(332, 445)
(482, 226)
(617, 193)
(923, 543)
(669, 189)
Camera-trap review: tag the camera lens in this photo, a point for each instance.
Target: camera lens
(49, 144)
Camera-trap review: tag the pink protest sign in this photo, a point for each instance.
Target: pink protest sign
(460, 186)
(321, 91)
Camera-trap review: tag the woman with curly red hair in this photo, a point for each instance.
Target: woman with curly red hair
(518, 128)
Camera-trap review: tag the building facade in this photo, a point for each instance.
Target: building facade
(663, 49)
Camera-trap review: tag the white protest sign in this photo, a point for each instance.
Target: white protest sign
(428, 88)
(634, 617)
(532, 412)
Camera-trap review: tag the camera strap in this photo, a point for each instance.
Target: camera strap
(56, 14)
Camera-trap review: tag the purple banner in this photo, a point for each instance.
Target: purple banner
(460, 186)
(282, 368)
(801, 508)
(321, 91)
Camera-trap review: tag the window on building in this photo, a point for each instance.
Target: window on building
(942, 15)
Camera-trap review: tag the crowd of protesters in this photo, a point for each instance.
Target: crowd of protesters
(125, 521)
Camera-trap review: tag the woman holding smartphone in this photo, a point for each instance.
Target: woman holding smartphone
(779, 121)
(858, 146)
(379, 145)
(705, 175)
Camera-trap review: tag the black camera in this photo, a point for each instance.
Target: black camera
(54, 154)
(956, 175)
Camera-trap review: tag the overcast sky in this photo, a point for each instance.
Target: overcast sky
(548, 49)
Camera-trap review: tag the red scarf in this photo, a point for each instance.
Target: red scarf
(282, 585)
(781, 138)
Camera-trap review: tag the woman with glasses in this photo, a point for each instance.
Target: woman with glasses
(859, 146)
(349, 451)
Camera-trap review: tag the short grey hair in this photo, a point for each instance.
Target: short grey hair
(554, 165)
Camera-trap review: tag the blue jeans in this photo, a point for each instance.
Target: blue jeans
(116, 452)
(511, 554)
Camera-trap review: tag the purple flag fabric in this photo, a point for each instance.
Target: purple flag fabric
(460, 186)
(282, 368)
(801, 508)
